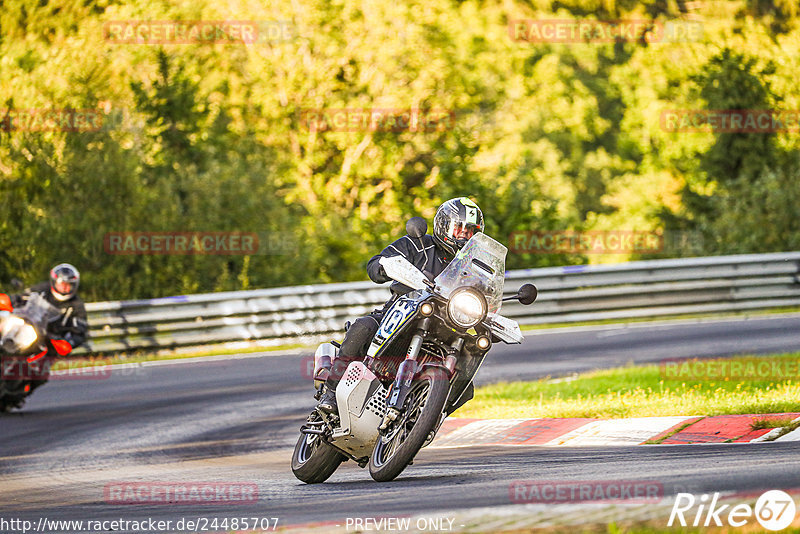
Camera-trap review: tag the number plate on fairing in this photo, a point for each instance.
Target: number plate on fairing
(394, 320)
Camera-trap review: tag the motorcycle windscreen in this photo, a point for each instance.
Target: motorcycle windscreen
(480, 264)
(38, 311)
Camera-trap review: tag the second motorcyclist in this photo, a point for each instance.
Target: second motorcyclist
(66, 331)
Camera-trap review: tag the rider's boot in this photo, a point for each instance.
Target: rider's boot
(327, 403)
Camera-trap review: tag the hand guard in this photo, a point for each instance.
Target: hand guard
(5, 303)
(62, 346)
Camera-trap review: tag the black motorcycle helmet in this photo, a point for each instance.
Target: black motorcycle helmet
(456, 221)
(64, 280)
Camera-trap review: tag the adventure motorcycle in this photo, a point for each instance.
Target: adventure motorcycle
(24, 343)
(418, 367)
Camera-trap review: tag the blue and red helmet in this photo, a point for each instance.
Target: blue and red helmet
(456, 221)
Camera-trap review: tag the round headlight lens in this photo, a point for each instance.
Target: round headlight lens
(17, 334)
(26, 336)
(9, 324)
(466, 308)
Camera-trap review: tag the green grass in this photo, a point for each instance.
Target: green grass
(637, 391)
(785, 429)
(774, 423)
(656, 441)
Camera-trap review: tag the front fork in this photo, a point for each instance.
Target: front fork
(408, 370)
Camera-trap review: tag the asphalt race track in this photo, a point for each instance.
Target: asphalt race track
(234, 420)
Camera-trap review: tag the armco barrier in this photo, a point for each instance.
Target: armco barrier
(657, 288)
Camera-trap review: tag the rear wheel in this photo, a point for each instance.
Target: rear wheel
(313, 460)
(398, 445)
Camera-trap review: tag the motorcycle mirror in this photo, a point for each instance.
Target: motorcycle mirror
(527, 294)
(416, 227)
(17, 284)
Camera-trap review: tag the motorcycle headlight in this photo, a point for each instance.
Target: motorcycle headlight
(26, 336)
(19, 332)
(9, 324)
(466, 307)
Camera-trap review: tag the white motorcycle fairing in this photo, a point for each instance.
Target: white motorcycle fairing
(362, 404)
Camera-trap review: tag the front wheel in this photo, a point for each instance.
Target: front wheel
(11, 398)
(398, 445)
(313, 460)
(9, 402)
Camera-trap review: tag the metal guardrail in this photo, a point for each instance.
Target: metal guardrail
(656, 288)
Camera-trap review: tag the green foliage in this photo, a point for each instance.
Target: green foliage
(745, 195)
(204, 137)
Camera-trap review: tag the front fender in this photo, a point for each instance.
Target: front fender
(439, 366)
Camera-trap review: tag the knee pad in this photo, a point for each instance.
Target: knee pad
(354, 347)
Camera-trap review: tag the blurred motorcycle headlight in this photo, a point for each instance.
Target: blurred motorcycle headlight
(466, 307)
(18, 332)
(9, 324)
(26, 336)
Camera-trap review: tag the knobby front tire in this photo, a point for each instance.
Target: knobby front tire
(424, 406)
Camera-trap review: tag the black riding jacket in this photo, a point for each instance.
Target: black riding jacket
(72, 326)
(423, 253)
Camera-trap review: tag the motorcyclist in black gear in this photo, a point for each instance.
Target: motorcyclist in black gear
(454, 224)
(70, 329)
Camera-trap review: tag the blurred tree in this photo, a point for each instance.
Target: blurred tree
(544, 136)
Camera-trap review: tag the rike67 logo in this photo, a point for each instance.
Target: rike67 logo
(774, 510)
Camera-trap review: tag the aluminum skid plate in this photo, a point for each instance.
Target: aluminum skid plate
(362, 404)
